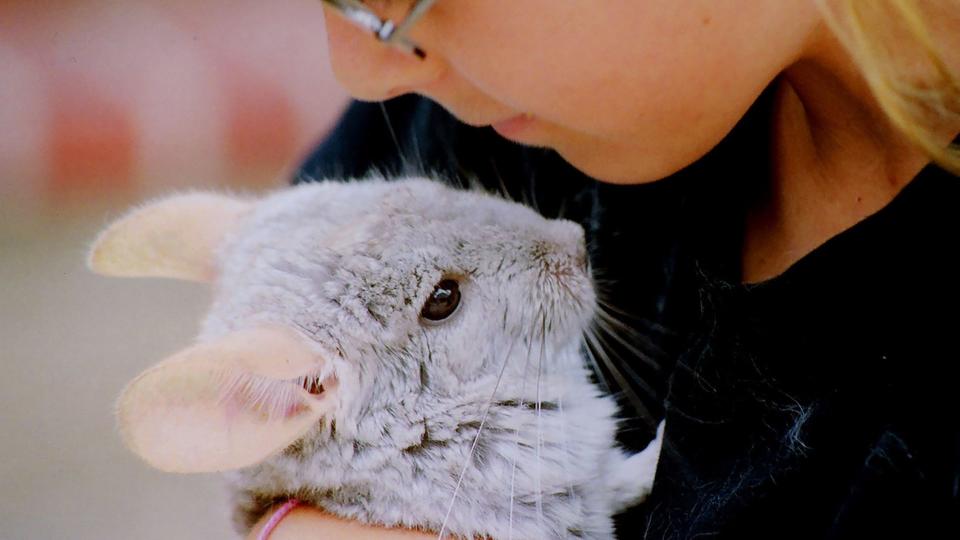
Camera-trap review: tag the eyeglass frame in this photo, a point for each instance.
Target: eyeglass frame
(385, 30)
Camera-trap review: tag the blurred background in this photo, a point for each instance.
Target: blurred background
(104, 103)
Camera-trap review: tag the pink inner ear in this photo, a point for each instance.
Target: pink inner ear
(226, 404)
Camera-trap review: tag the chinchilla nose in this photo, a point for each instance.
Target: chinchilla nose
(570, 236)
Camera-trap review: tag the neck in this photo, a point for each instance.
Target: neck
(836, 160)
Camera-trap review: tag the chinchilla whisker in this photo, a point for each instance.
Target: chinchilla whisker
(624, 369)
(393, 134)
(566, 447)
(642, 331)
(417, 152)
(622, 332)
(595, 366)
(650, 326)
(543, 343)
(625, 386)
(562, 211)
(502, 189)
(598, 338)
(603, 331)
(605, 288)
(516, 449)
(602, 300)
(476, 439)
(605, 326)
(609, 313)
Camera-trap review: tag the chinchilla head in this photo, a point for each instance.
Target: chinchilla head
(359, 308)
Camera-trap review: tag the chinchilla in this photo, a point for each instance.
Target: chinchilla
(399, 352)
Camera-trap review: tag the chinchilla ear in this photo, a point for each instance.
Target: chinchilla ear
(174, 237)
(228, 403)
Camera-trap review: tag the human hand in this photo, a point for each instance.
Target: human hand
(306, 523)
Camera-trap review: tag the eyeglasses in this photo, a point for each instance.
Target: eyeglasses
(384, 30)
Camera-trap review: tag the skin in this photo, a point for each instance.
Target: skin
(307, 523)
(630, 92)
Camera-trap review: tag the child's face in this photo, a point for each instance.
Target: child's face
(626, 90)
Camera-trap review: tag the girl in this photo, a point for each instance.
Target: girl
(780, 234)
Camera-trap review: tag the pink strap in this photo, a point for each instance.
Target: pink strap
(276, 517)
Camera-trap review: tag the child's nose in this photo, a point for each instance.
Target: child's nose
(374, 71)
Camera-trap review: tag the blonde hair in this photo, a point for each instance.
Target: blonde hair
(893, 43)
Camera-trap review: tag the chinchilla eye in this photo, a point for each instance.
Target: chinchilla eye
(443, 301)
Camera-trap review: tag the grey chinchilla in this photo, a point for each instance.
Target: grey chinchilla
(398, 352)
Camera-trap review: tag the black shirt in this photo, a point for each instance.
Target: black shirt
(822, 403)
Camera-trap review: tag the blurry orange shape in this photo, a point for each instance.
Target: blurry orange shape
(23, 124)
(92, 142)
(263, 133)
